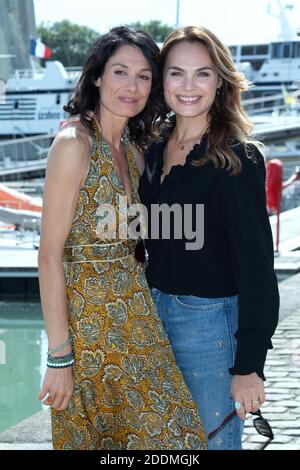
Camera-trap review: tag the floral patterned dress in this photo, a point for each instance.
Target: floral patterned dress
(129, 393)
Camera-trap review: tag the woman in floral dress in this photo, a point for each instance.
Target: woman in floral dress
(115, 384)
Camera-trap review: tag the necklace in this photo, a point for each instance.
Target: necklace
(175, 157)
(182, 145)
(192, 140)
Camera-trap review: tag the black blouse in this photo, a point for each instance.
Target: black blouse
(237, 254)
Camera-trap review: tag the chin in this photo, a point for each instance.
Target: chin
(126, 114)
(188, 114)
(130, 113)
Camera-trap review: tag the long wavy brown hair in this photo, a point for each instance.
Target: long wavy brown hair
(229, 124)
(85, 101)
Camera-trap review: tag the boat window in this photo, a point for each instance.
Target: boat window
(264, 49)
(16, 105)
(248, 50)
(296, 53)
(58, 100)
(287, 49)
(276, 51)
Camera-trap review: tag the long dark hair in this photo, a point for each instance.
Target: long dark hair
(86, 97)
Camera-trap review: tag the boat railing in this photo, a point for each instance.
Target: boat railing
(73, 72)
(284, 102)
(277, 110)
(73, 69)
(25, 154)
(21, 74)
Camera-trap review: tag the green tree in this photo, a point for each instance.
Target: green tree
(155, 28)
(70, 43)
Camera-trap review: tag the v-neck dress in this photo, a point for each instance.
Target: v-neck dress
(129, 392)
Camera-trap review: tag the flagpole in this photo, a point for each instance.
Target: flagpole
(177, 13)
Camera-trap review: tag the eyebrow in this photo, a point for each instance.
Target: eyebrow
(198, 70)
(126, 67)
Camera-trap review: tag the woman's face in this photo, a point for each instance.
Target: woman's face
(125, 84)
(190, 80)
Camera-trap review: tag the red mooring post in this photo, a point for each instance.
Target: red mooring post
(274, 185)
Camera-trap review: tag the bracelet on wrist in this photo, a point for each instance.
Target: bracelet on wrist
(60, 362)
(60, 347)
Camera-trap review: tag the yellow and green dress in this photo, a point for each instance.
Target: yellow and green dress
(129, 393)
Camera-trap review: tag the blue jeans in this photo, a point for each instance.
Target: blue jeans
(201, 332)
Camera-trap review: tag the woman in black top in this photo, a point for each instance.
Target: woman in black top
(211, 254)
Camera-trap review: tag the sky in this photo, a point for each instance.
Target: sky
(234, 21)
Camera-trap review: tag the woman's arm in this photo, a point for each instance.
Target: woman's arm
(67, 166)
(249, 235)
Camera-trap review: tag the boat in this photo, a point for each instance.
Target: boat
(18, 210)
(33, 100)
(10, 198)
(21, 219)
(272, 68)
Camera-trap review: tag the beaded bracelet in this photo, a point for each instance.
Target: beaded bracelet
(61, 358)
(60, 362)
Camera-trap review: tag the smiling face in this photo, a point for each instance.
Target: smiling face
(190, 80)
(125, 84)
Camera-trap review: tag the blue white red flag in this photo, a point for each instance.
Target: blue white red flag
(38, 49)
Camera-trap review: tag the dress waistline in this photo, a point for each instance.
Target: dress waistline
(100, 253)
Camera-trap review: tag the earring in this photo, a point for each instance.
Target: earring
(218, 91)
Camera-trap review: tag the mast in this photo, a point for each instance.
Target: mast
(286, 31)
(177, 13)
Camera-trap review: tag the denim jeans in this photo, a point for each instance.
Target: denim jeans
(201, 332)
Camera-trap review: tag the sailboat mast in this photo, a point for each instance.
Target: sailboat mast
(177, 13)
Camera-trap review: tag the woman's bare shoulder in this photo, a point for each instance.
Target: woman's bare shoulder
(70, 150)
(73, 130)
(73, 136)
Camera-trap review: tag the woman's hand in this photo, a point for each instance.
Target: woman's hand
(249, 391)
(59, 386)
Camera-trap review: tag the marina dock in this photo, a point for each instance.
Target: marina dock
(19, 267)
(19, 270)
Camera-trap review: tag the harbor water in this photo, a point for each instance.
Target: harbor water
(22, 360)
(23, 345)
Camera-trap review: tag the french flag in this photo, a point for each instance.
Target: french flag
(38, 49)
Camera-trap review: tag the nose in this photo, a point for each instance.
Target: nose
(131, 84)
(188, 83)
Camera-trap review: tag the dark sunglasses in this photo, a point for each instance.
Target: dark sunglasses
(261, 425)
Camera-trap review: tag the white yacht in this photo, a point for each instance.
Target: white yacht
(32, 101)
(271, 68)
